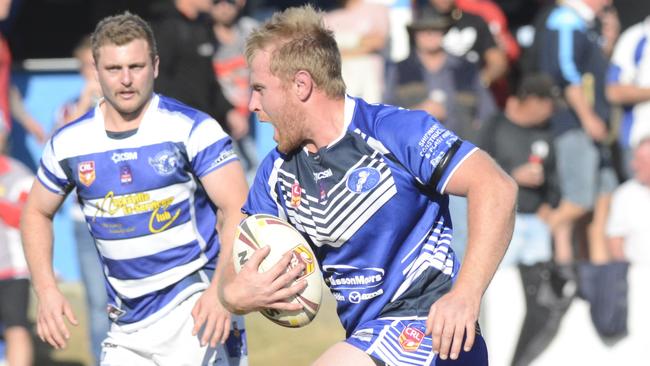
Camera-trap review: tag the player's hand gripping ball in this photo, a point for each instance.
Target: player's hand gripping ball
(260, 230)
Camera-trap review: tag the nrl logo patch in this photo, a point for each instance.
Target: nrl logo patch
(86, 172)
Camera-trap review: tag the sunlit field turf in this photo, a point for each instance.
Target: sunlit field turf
(269, 344)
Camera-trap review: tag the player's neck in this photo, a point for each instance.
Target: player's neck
(116, 121)
(326, 122)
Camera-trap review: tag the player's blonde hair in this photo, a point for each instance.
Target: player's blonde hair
(120, 30)
(298, 40)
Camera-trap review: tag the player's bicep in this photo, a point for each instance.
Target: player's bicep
(477, 168)
(227, 188)
(42, 201)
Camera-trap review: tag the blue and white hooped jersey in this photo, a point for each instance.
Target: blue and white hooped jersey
(372, 205)
(630, 65)
(152, 221)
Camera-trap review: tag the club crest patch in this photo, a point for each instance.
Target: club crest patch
(86, 172)
(363, 180)
(164, 162)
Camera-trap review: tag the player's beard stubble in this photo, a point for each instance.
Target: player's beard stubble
(289, 125)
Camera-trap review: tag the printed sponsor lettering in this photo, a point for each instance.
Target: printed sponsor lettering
(137, 203)
(225, 155)
(356, 297)
(322, 175)
(352, 278)
(119, 157)
(432, 139)
(358, 280)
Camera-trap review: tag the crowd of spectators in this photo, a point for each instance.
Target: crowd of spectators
(560, 100)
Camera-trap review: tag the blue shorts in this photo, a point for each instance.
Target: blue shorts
(401, 342)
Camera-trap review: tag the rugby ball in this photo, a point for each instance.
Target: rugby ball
(261, 230)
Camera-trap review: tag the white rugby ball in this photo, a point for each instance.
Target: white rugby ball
(261, 230)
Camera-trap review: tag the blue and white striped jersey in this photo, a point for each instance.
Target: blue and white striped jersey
(152, 221)
(372, 205)
(630, 65)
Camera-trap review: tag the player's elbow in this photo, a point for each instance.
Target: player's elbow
(506, 189)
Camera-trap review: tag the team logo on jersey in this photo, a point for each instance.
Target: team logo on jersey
(300, 254)
(363, 180)
(125, 174)
(411, 337)
(296, 194)
(86, 172)
(165, 162)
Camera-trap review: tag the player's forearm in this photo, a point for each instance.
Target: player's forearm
(225, 269)
(226, 237)
(37, 237)
(627, 94)
(491, 216)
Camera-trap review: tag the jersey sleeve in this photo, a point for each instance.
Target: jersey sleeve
(51, 174)
(209, 147)
(623, 64)
(263, 195)
(430, 152)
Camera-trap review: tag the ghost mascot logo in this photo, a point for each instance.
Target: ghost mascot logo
(363, 180)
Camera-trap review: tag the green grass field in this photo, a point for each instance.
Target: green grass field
(274, 345)
(269, 344)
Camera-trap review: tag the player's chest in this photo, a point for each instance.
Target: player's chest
(331, 196)
(129, 169)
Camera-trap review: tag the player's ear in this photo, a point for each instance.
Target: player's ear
(303, 84)
(156, 63)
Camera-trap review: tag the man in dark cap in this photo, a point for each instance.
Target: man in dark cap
(431, 79)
